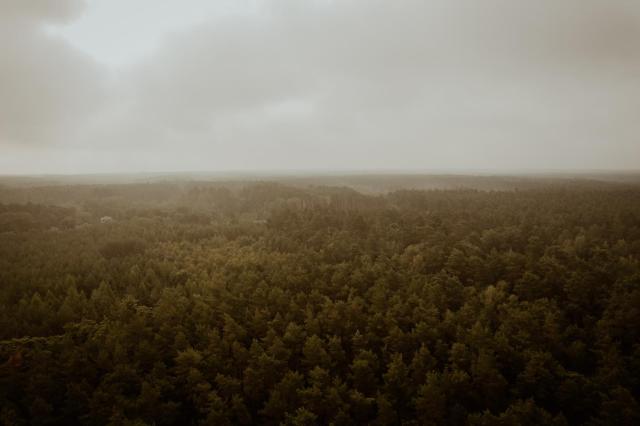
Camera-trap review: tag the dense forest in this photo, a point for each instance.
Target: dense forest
(267, 303)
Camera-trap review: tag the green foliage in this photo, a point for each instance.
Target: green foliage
(121, 248)
(269, 304)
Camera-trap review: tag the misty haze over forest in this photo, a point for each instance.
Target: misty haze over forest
(320, 212)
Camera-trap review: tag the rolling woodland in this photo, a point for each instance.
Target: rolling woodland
(269, 303)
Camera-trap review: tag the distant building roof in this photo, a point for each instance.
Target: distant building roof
(106, 219)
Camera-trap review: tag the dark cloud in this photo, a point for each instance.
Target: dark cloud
(48, 88)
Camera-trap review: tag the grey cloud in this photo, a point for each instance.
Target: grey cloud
(59, 11)
(47, 88)
(371, 84)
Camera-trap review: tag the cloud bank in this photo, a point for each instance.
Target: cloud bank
(332, 85)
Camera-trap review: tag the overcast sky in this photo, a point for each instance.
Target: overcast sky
(200, 85)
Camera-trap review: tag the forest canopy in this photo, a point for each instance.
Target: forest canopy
(266, 303)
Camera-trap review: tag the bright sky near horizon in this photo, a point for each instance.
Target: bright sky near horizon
(180, 85)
